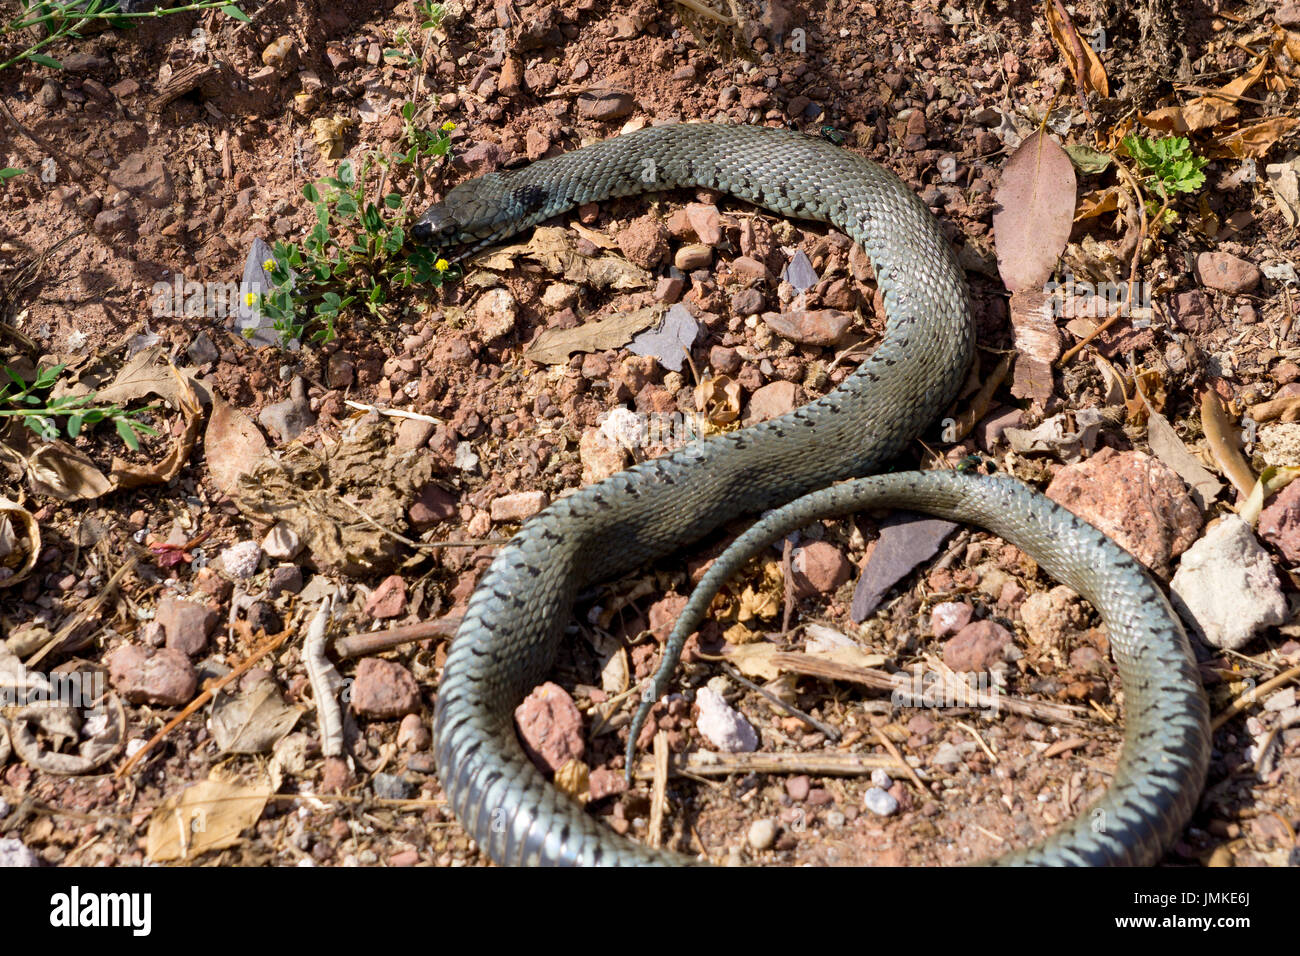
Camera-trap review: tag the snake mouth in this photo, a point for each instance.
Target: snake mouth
(436, 224)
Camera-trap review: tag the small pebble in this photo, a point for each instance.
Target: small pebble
(879, 802)
(881, 779)
(762, 834)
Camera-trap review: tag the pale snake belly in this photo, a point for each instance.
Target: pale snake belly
(516, 618)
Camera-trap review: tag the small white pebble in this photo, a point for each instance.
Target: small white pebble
(881, 779)
(240, 560)
(762, 834)
(879, 802)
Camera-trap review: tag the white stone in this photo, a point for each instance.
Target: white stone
(722, 725)
(1226, 588)
(281, 542)
(879, 802)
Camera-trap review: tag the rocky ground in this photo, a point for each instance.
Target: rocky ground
(156, 157)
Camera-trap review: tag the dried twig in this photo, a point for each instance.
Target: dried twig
(359, 645)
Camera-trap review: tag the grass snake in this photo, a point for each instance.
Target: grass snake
(516, 618)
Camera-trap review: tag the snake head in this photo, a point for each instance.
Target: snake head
(479, 212)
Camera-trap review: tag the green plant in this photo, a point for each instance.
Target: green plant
(9, 172)
(1171, 167)
(19, 399)
(1169, 163)
(430, 15)
(64, 19)
(355, 252)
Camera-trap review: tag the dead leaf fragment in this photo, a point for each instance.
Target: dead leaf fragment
(1169, 448)
(1089, 75)
(232, 443)
(328, 133)
(20, 542)
(252, 721)
(208, 815)
(1222, 438)
(554, 346)
(1036, 198)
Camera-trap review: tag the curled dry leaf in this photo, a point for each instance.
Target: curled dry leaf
(1222, 438)
(1036, 198)
(127, 475)
(20, 542)
(720, 397)
(328, 133)
(106, 739)
(1089, 75)
(1207, 111)
(1277, 409)
(572, 778)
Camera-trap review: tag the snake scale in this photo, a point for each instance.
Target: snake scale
(516, 618)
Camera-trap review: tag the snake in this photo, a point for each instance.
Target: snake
(826, 454)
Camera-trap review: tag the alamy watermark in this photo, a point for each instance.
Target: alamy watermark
(82, 690)
(1073, 298)
(931, 690)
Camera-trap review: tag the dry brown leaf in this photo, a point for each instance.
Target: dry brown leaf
(61, 471)
(252, 720)
(208, 815)
(1214, 109)
(1284, 182)
(1089, 75)
(1097, 203)
(328, 133)
(553, 248)
(1221, 436)
(1036, 197)
(1252, 141)
(721, 399)
(125, 474)
(573, 778)
(1169, 448)
(20, 542)
(232, 443)
(554, 346)
(754, 659)
(1168, 119)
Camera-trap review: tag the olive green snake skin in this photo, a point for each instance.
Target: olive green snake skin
(516, 618)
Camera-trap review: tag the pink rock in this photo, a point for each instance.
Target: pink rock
(384, 690)
(389, 599)
(518, 506)
(1279, 523)
(550, 727)
(664, 614)
(705, 221)
(977, 646)
(147, 676)
(819, 568)
(433, 505)
(604, 782)
(1134, 498)
(644, 242)
(413, 734)
(815, 327)
(950, 617)
(1226, 273)
(412, 433)
(772, 401)
(187, 624)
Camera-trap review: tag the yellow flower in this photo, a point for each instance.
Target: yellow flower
(268, 265)
(448, 126)
(249, 298)
(442, 265)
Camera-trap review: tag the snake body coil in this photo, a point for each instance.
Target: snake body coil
(515, 620)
